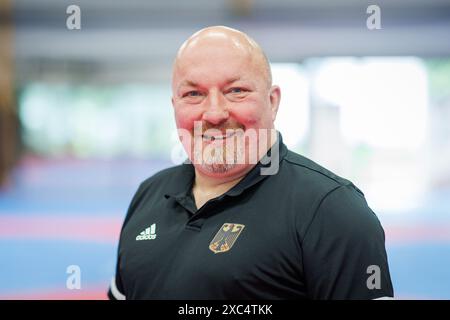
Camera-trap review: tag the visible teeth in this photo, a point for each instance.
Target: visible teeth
(217, 137)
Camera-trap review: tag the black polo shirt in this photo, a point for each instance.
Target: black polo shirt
(303, 232)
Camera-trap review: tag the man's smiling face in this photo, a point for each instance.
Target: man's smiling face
(221, 91)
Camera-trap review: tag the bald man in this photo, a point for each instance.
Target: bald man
(244, 217)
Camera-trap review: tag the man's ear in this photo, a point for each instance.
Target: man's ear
(275, 98)
(173, 104)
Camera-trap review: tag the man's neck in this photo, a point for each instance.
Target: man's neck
(206, 187)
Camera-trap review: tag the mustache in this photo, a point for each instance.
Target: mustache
(223, 127)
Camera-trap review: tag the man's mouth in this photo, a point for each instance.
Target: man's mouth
(218, 137)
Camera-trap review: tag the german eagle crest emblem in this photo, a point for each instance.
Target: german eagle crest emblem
(226, 237)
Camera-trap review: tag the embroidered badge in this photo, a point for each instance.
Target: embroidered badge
(226, 237)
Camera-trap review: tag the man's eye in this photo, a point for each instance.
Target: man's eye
(236, 90)
(192, 94)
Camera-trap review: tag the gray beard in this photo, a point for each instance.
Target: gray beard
(220, 161)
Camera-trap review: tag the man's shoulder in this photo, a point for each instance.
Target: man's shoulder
(168, 178)
(163, 182)
(164, 174)
(332, 200)
(309, 172)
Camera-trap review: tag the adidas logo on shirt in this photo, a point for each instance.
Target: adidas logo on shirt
(147, 234)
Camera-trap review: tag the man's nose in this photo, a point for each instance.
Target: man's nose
(216, 109)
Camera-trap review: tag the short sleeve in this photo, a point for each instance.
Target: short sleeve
(116, 291)
(343, 249)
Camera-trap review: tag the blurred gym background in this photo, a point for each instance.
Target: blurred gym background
(85, 116)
